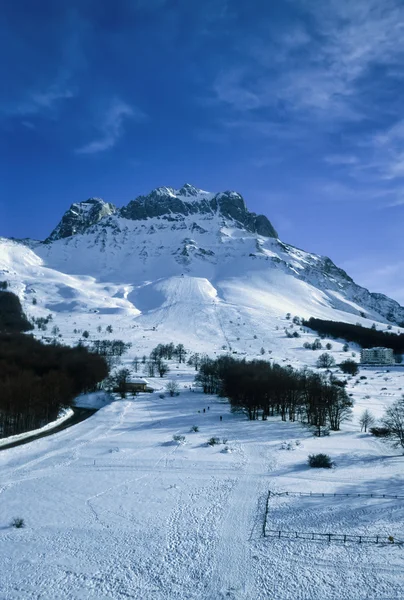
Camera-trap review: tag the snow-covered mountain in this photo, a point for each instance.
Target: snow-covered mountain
(189, 265)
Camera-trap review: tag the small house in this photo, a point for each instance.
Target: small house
(137, 384)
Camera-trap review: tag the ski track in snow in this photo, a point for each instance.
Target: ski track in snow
(115, 509)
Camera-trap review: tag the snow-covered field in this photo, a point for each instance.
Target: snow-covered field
(115, 509)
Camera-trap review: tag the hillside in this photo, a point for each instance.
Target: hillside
(187, 265)
(117, 507)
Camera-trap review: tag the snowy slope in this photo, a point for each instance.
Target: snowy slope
(114, 509)
(198, 272)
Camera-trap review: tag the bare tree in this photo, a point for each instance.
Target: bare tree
(180, 352)
(162, 367)
(150, 368)
(172, 388)
(135, 364)
(325, 360)
(120, 379)
(366, 420)
(393, 420)
(194, 360)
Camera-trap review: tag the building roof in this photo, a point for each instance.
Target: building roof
(137, 380)
(377, 348)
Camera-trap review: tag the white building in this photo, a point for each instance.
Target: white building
(377, 356)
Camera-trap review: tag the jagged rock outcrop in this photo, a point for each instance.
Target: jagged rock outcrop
(80, 217)
(167, 203)
(190, 200)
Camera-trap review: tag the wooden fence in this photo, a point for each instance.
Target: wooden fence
(332, 537)
(328, 537)
(325, 495)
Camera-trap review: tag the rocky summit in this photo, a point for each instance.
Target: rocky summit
(80, 216)
(183, 264)
(164, 202)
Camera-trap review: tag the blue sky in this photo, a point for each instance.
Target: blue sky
(297, 104)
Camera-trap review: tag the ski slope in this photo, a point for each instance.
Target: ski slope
(238, 304)
(115, 509)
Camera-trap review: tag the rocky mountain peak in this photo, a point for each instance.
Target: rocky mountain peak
(165, 202)
(80, 216)
(190, 200)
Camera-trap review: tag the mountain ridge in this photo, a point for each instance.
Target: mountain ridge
(163, 201)
(195, 273)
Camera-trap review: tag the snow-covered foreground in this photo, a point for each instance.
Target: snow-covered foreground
(114, 509)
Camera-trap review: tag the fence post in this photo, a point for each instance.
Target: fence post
(329, 537)
(360, 539)
(264, 525)
(377, 539)
(279, 534)
(345, 539)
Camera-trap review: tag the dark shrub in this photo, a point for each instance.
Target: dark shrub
(18, 523)
(380, 431)
(349, 366)
(320, 461)
(213, 441)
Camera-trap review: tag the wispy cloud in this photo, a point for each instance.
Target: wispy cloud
(323, 70)
(326, 86)
(40, 101)
(111, 127)
(43, 101)
(341, 159)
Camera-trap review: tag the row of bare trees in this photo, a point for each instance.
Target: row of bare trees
(263, 389)
(37, 380)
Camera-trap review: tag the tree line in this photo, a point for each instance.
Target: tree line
(38, 380)
(263, 389)
(12, 317)
(364, 336)
(155, 362)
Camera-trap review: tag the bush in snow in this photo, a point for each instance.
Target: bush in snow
(18, 523)
(195, 428)
(180, 439)
(349, 366)
(320, 461)
(213, 441)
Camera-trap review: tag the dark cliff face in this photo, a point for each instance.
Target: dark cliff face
(189, 200)
(80, 216)
(164, 202)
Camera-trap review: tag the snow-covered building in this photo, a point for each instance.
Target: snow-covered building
(137, 384)
(377, 356)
